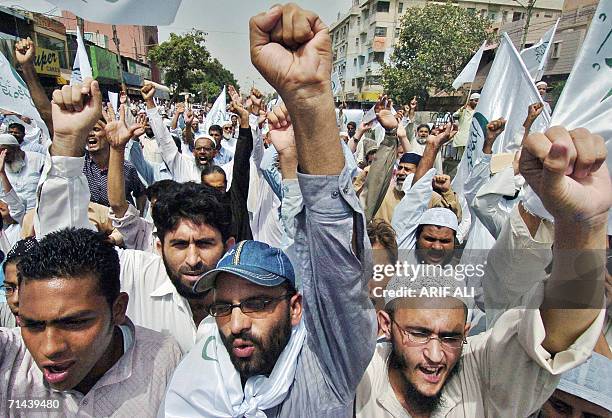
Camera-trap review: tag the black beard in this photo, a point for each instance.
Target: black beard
(422, 404)
(265, 356)
(183, 290)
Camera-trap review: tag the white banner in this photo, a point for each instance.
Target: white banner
(507, 93)
(216, 116)
(113, 98)
(336, 84)
(81, 68)
(536, 56)
(123, 12)
(15, 96)
(468, 73)
(348, 115)
(586, 100)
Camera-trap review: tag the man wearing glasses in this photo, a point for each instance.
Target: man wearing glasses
(429, 367)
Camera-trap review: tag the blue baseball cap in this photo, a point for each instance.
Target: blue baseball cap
(254, 261)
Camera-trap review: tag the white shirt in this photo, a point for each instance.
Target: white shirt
(25, 181)
(154, 301)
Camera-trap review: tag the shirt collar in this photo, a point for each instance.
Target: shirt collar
(166, 288)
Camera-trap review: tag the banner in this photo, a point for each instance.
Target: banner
(336, 84)
(123, 12)
(47, 62)
(105, 64)
(536, 56)
(468, 73)
(113, 98)
(15, 96)
(586, 100)
(216, 116)
(349, 115)
(81, 68)
(507, 93)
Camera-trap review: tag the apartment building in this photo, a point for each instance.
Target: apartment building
(366, 34)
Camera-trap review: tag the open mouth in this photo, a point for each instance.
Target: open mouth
(91, 141)
(432, 374)
(202, 160)
(57, 372)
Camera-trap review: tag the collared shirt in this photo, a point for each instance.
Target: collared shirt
(97, 178)
(25, 181)
(154, 301)
(134, 386)
(150, 149)
(505, 372)
(339, 317)
(225, 154)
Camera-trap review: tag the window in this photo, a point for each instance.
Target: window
(400, 7)
(548, 14)
(356, 41)
(483, 12)
(504, 15)
(359, 21)
(516, 16)
(380, 31)
(379, 57)
(353, 82)
(361, 60)
(397, 32)
(355, 62)
(556, 50)
(492, 16)
(471, 10)
(382, 7)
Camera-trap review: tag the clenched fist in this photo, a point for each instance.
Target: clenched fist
(291, 48)
(567, 170)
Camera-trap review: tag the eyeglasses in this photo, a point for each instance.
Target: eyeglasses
(249, 306)
(7, 289)
(423, 337)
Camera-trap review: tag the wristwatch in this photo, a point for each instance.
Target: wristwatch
(391, 131)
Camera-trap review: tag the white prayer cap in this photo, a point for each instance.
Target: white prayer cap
(440, 217)
(206, 136)
(8, 140)
(541, 83)
(475, 96)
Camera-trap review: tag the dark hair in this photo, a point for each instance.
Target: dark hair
(380, 231)
(211, 169)
(215, 128)
(21, 248)
(18, 126)
(351, 123)
(423, 125)
(74, 254)
(195, 202)
(159, 187)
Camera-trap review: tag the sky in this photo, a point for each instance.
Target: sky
(226, 22)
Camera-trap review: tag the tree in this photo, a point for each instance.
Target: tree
(188, 64)
(435, 43)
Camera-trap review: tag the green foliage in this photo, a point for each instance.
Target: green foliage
(188, 65)
(435, 43)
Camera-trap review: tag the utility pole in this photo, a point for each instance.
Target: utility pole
(116, 41)
(530, 6)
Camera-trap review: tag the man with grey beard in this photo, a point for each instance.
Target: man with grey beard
(23, 169)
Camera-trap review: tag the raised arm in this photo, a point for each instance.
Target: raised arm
(63, 191)
(567, 170)
(25, 52)
(297, 63)
(432, 148)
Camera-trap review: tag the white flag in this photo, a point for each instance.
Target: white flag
(586, 100)
(468, 73)
(81, 68)
(15, 96)
(216, 116)
(123, 12)
(507, 93)
(336, 84)
(536, 56)
(113, 98)
(388, 54)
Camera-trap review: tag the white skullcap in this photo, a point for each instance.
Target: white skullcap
(206, 136)
(475, 96)
(541, 83)
(440, 217)
(9, 140)
(400, 287)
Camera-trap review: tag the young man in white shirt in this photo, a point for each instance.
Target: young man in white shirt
(75, 346)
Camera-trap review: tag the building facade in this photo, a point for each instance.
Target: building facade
(365, 35)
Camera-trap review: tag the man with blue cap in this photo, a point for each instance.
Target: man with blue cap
(289, 339)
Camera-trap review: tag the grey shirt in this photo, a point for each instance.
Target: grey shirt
(7, 319)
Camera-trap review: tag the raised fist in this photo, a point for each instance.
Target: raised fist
(291, 48)
(25, 51)
(567, 170)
